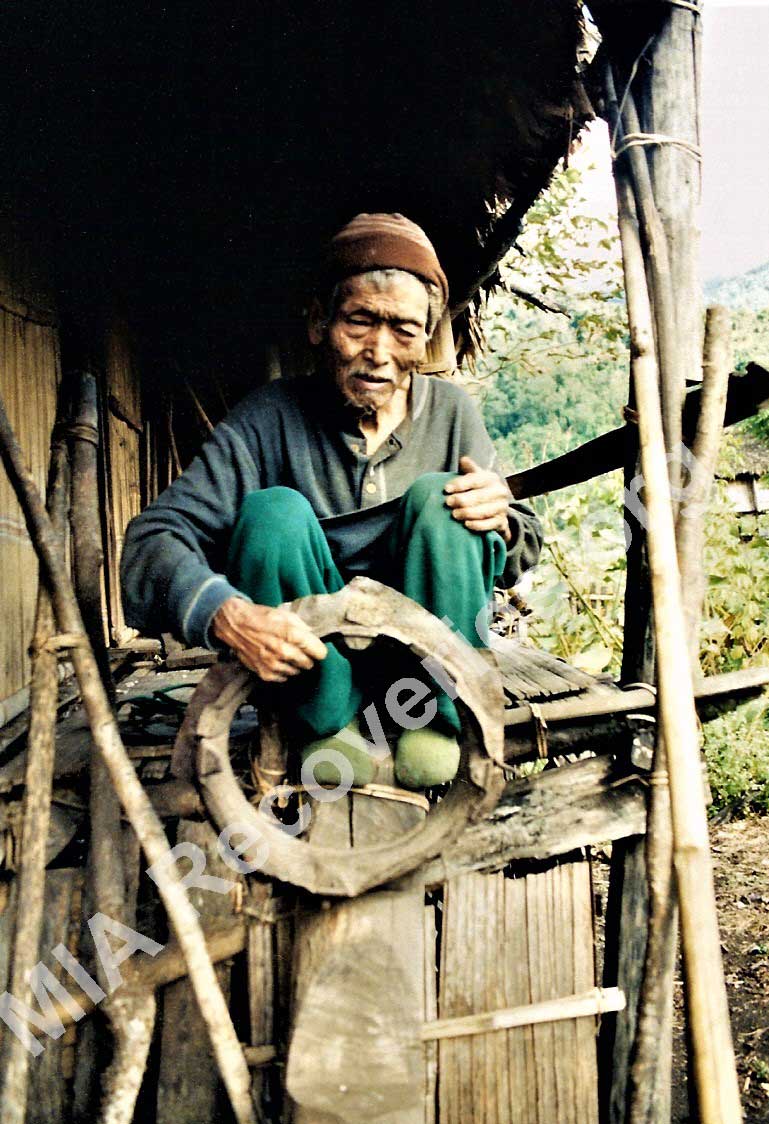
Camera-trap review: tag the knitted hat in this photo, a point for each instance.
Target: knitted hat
(384, 242)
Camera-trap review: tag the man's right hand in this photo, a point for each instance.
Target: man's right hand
(275, 643)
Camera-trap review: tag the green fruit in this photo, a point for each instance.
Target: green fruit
(325, 771)
(425, 757)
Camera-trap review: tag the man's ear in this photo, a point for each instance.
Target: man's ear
(317, 323)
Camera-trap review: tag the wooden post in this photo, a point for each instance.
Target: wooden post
(665, 193)
(713, 1055)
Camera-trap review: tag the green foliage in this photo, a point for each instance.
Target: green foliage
(737, 755)
(578, 589)
(550, 381)
(736, 614)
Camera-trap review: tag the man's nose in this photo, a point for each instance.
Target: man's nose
(376, 349)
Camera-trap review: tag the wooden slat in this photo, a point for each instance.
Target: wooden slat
(529, 673)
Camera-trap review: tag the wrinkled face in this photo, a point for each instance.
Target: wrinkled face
(376, 338)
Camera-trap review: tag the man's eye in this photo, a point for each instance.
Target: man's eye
(405, 333)
(361, 321)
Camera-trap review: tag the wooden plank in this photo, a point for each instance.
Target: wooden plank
(189, 1087)
(546, 815)
(541, 987)
(359, 999)
(514, 980)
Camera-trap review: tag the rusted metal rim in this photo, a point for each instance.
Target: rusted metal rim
(363, 609)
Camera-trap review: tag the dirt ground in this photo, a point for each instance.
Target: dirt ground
(741, 864)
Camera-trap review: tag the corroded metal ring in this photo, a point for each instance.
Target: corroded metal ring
(361, 611)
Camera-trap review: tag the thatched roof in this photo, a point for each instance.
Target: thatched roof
(195, 155)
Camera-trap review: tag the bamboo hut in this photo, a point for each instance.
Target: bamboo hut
(168, 176)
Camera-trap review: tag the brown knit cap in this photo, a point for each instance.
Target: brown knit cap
(384, 242)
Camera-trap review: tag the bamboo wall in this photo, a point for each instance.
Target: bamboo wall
(29, 375)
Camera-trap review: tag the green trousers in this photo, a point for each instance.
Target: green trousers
(278, 552)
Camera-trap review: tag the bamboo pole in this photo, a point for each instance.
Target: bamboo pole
(141, 815)
(712, 1051)
(38, 781)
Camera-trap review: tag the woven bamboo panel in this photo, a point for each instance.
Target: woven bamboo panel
(29, 373)
(123, 437)
(509, 942)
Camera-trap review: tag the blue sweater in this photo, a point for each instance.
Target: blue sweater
(298, 433)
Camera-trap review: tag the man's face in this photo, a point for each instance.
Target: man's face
(376, 338)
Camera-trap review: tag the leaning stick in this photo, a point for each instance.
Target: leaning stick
(134, 799)
(712, 1051)
(36, 812)
(130, 1011)
(710, 425)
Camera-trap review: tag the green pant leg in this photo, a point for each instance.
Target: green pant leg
(441, 565)
(278, 552)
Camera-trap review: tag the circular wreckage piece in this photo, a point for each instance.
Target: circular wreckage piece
(362, 611)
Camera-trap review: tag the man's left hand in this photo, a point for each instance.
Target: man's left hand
(479, 498)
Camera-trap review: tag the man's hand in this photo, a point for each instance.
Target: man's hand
(479, 498)
(275, 643)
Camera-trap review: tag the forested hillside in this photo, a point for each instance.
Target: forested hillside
(748, 290)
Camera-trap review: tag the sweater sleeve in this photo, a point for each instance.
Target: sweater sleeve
(526, 535)
(174, 556)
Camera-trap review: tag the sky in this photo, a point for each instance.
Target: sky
(735, 137)
(734, 216)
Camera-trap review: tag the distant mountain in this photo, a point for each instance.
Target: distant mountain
(748, 290)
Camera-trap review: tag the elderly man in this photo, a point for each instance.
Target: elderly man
(367, 467)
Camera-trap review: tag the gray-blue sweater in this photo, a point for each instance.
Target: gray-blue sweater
(298, 433)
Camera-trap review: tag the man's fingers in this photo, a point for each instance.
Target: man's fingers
(288, 653)
(467, 483)
(474, 481)
(494, 524)
(467, 464)
(270, 676)
(283, 669)
(294, 630)
(490, 510)
(488, 493)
